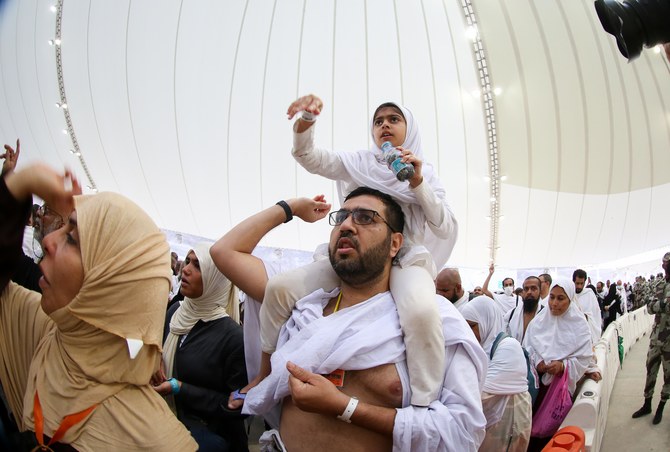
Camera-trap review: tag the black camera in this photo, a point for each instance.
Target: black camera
(635, 23)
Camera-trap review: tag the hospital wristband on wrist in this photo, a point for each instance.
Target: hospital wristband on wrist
(349, 410)
(307, 116)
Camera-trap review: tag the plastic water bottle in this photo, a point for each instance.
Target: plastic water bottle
(393, 159)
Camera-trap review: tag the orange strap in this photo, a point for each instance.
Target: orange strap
(67, 422)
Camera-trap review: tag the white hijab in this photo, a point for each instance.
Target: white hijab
(559, 337)
(366, 168)
(506, 373)
(483, 311)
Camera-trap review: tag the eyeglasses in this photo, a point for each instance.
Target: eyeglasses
(359, 216)
(56, 222)
(45, 210)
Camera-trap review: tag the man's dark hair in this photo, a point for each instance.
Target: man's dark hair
(579, 273)
(394, 214)
(34, 210)
(503, 281)
(388, 105)
(547, 277)
(539, 282)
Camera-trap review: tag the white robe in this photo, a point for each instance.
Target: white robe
(506, 302)
(624, 298)
(461, 302)
(507, 370)
(589, 304)
(368, 335)
(514, 321)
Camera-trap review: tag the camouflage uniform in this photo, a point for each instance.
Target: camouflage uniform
(638, 293)
(657, 298)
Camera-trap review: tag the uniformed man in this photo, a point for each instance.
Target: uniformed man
(657, 299)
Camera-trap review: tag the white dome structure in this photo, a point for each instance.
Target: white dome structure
(553, 150)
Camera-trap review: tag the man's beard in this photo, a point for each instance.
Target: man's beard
(361, 269)
(530, 304)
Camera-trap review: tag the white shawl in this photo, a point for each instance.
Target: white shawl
(359, 337)
(507, 369)
(367, 335)
(483, 311)
(514, 320)
(366, 168)
(561, 338)
(588, 303)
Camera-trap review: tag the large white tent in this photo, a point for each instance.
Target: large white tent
(554, 151)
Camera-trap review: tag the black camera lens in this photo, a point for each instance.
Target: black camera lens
(635, 23)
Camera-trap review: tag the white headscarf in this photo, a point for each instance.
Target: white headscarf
(219, 297)
(506, 372)
(559, 337)
(366, 168)
(483, 311)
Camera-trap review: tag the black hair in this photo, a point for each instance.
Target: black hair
(33, 212)
(579, 273)
(511, 279)
(394, 214)
(546, 276)
(388, 105)
(539, 282)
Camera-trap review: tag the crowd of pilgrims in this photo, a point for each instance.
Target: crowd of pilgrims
(193, 368)
(555, 321)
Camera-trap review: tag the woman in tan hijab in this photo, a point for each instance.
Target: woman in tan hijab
(77, 360)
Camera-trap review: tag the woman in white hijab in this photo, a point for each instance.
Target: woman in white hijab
(560, 336)
(204, 355)
(556, 339)
(505, 397)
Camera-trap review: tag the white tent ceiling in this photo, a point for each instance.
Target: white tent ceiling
(180, 105)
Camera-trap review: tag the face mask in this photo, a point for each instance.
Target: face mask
(509, 290)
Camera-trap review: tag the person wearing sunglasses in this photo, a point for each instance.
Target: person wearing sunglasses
(430, 235)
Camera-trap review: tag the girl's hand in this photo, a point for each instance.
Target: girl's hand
(309, 103)
(409, 157)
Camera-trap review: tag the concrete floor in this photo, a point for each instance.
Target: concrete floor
(624, 433)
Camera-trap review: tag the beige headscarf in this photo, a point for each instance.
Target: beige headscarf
(219, 299)
(85, 360)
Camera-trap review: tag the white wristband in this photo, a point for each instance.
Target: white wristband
(349, 410)
(307, 116)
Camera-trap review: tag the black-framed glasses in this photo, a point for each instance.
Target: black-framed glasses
(359, 216)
